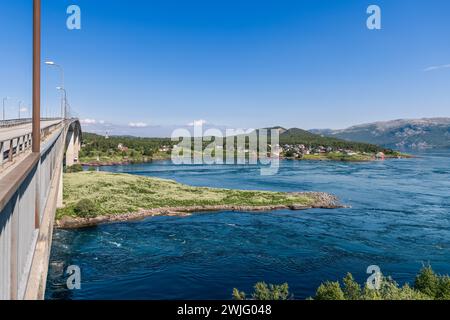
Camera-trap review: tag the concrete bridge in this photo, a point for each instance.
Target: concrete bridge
(30, 191)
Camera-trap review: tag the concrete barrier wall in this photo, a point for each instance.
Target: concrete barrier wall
(18, 235)
(26, 220)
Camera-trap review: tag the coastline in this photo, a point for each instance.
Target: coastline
(119, 163)
(131, 162)
(322, 201)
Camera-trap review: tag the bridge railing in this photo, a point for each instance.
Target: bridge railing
(13, 122)
(17, 122)
(14, 146)
(23, 198)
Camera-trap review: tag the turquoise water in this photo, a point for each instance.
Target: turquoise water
(399, 219)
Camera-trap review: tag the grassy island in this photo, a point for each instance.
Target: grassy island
(91, 198)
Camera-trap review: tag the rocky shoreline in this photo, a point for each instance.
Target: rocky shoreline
(321, 201)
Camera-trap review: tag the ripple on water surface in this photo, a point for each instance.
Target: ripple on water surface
(400, 218)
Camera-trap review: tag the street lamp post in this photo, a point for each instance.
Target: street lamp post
(20, 105)
(63, 102)
(4, 101)
(36, 136)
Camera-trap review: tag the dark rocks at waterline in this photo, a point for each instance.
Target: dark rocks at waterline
(321, 200)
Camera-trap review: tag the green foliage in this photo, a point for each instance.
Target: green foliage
(263, 291)
(352, 290)
(390, 290)
(433, 285)
(299, 136)
(138, 149)
(427, 282)
(85, 208)
(238, 295)
(428, 286)
(370, 294)
(271, 292)
(74, 168)
(289, 153)
(142, 149)
(443, 292)
(329, 291)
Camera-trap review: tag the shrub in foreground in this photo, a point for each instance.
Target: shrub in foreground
(85, 208)
(427, 286)
(74, 168)
(263, 291)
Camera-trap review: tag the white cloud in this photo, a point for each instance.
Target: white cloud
(138, 124)
(433, 68)
(23, 110)
(197, 123)
(102, 122)
(88, 121)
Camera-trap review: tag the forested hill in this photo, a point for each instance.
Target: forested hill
(94, 143)
(300, 136)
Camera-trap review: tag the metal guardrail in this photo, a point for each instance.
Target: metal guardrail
(14, 146)
(17, 122)
(13, 122)
(24, 195)
(21, 215)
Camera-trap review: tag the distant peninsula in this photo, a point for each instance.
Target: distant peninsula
(294, 143)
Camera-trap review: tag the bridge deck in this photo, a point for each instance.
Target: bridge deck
(7, 133)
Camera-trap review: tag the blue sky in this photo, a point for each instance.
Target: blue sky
(246, 63)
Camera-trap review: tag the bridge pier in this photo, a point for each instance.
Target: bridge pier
(59, 196)
(73, 148)
(77, 147)
(70, 149)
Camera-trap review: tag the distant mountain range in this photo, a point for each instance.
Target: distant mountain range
(402, 134)
(406, 134)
